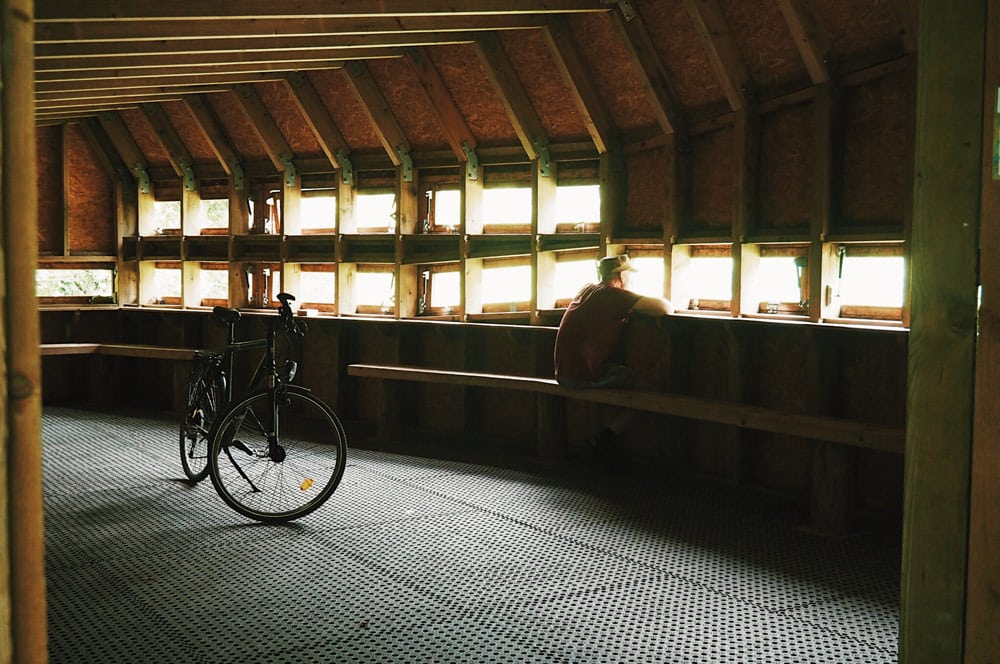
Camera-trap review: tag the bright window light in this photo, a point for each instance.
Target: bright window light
(507, 205)
(214, 284)
(507, 284)
(448, 208)
(374, 289)
(446, 289)
(578, 204)
(166, 214)
(376, 211)
(648, 279)
(74, 283)
(318, 212)
(711, 277)
(778, 280)
(875, 281)
(166, 282)
(319, 287)
(214, 213)
(572, 275)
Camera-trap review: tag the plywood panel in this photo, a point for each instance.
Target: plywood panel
(712, 156)
(409, 103)
(646, 200)
(859, 28)
(550, 97)
(237, 126)
(346, 110)
(278, 99)
(145, 137)
(785, 187)
(683, 55)
(192, 137)
(600, 46)
(766, 46)
(475, 96)
(48, 142)
(878, 150)
(91, 199)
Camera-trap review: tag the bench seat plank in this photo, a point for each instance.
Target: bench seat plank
(68, 349)
(815, 427)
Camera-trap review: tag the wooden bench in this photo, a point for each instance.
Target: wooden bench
(831, 499)
(101, 374)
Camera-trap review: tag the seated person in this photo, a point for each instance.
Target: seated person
(588, 344)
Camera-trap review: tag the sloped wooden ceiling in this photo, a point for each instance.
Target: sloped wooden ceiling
(573, 75)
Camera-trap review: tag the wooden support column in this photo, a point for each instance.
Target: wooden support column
(982, 638)
(949, 136)
(22, 541)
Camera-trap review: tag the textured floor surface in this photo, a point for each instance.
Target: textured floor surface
(419, 560)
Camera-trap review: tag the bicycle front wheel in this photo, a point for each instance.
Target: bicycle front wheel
(277, 455)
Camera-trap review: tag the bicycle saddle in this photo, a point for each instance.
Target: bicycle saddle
(225, 315)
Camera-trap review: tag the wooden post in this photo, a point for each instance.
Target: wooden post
(23, 572)
(982, 639)
(949, 136)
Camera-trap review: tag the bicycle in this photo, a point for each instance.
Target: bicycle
(279, 452)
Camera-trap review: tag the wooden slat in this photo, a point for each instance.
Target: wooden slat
(68, 349)
(317, 116)
(830, 429)
(267, 130)
(170, 140)
(151, 352)
(811, 40)
(455, 128)
(723, 54)
(389, 131)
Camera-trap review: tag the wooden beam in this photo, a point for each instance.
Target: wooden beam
(460, 138)
(151, 73)
(170, 140)
(590, 103)
(212, 130)
(44, 100)
(66, 10)
(71, 31)
(317, 116)
(813, 44)
(107, 156)
(126, 146)
(528, 126)
(642, 53)
(389, 131)
(940, 394)
(189, 82)
(723, 54)
(277, 148)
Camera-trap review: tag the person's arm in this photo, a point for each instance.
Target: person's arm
(654, 306)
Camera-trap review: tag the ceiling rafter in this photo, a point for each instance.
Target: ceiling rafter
(278, 150)
(463, 143)
(107, 155)
(178, 154)
(389, 131)
(220, 144)
(642, 53)
(595, 112)
(316, 115)
(126, 146)
(183, 83)
(220, 9)
(812, 42)
(528, 126)
(152, 73)
(723, 54)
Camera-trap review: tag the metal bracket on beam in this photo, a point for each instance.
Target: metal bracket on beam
(346, 167)
(142, 175)
(628, 11)
(290, 172)
(472, 161)
(544, 159)
(407, 163)
(190, 181)
(236, 171)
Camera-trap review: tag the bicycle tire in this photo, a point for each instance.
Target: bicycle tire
(287, 485)
(206, 394)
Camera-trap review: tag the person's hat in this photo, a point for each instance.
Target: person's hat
(610, 266)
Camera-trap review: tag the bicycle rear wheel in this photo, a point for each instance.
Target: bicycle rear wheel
(206, 394)
(281, 471)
